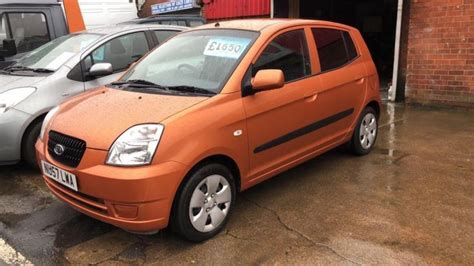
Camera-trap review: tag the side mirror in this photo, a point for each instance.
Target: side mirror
(268, 79)
(101, 69)
(9, 48)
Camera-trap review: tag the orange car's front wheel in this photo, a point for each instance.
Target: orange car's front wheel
(204, 203)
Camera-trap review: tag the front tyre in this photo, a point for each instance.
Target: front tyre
(28, 145)
(365, 133)
(205, 202)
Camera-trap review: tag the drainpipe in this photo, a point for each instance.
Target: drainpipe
(396, 62)
(272, 8)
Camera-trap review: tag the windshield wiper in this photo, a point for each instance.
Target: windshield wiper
(139, 83)
(24, 68)
(192, 89)
(42, 70)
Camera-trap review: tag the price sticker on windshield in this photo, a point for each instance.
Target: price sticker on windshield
(226, 47)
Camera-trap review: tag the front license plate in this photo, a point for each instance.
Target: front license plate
(65, 178)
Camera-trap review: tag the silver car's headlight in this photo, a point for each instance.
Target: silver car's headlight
(136, 146)
(46, 121)
(13, 97)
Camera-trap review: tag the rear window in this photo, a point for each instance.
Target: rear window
(335, 48)
(28, 29)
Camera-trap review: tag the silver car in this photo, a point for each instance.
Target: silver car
(61, 69)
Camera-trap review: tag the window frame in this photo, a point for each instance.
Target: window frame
(342, 30)
(9, 30)
(309, 42)
(110, 40)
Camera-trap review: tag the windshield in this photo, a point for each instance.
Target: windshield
(54, 54)
(202, 59)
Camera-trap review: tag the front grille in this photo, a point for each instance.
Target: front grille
(73, 149)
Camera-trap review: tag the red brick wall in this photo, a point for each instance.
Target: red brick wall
(440, 56)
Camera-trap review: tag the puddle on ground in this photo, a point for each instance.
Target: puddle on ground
(395, 156)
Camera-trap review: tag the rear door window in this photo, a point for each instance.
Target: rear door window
(163, 35)
(29, 30)
(288, 52)
(335, 48)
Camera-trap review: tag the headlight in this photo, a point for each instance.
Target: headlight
(47, 119)
(13, 97)
(136, 146)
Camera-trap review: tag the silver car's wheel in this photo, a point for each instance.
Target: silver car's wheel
(210, 203)
(368, 131)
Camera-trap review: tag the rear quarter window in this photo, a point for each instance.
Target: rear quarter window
(335, 48)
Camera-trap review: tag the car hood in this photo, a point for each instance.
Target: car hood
(100, 116)
(8, 82)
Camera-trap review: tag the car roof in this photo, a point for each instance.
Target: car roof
(108, 30)
(163, 18)
(261, 25)
(29, 2)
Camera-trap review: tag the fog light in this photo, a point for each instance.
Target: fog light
(126, 211)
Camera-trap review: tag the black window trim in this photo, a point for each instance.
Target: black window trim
(246, 89)
(6, 13)
(345, 45)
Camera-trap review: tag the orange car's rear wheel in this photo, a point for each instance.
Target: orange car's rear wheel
(204, 203)
(365, 133)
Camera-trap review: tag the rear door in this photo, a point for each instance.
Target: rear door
(344, 82)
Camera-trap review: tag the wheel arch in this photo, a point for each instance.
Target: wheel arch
(28, 129)
(376, 106)
(225, 160)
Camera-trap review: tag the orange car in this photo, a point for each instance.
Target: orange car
(211, 112)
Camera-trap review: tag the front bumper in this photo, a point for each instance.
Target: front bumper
(137, 199)
(12, 126)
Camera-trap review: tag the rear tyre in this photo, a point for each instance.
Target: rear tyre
(204, 204)
(365, 133)
(28, 146)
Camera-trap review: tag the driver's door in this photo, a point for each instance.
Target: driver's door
(121, 52)
(274, 117)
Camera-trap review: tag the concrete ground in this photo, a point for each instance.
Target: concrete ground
(411, 201)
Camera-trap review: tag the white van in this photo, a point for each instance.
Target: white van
(107, 12)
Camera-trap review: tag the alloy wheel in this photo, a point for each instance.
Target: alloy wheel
(368, 131)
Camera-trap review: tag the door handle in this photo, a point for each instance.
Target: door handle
(65, 94)
(311, 96)
(359, 80)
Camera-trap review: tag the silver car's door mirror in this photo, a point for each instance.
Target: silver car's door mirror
(101, 69)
